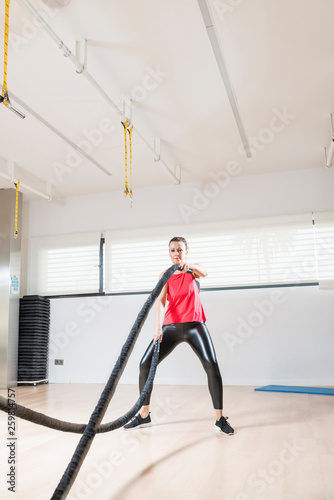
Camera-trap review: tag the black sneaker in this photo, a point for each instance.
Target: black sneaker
(138, 422)
(223, 427)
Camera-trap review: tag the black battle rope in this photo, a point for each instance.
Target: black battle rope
(90, 430)
(50, 422)
(61, 425)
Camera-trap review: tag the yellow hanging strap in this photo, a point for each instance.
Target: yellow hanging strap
(126, 190)
(130, 144)
(4, 86)
(16, 209)
(4, 98)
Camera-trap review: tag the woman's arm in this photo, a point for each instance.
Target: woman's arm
(159, 313)
(198, 270)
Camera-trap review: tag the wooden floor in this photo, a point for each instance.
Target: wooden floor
(283, 448)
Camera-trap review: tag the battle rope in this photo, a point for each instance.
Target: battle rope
(61, 425)
(73, 468)
(16, 209)
(53, 423)
(94, 426)
(108, 392)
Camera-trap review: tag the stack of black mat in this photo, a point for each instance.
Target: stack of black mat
(33, 340)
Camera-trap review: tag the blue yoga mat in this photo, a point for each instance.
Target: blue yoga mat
(327, 391)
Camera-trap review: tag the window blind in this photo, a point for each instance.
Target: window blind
(324, 240)
(65, 264)
(134, 266)
(249, 252)
(257, 251)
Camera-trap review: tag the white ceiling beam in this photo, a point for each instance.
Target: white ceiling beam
(10, 177)
(218, 52)
(83, 71)
(60, 134)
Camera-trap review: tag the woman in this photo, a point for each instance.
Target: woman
(184, 321)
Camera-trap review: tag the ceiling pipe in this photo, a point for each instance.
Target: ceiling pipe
(23, 185)
(80, 68)
(218, 52)
(57, 132)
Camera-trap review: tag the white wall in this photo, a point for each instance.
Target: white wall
(292, 345)
(295, 191)
(262, 336)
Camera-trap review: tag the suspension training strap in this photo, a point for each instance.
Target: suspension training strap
(4, 98)
(130, 144)
(16, 209)
(4, 86)
(126, 190)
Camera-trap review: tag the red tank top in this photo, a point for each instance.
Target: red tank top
(184, 302)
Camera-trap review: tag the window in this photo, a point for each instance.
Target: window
(324, 237)
(250, 252)
(135, 266)
(65, 264)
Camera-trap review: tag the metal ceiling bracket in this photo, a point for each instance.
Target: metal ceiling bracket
(329, 157)
(10, 177)
(49, 190)
(331, 123)
(177, 171)
(81, 54)
(127, 110)
(11, 170)
(157, 149)
(6, 102)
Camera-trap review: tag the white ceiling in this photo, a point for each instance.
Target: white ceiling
(279, 57)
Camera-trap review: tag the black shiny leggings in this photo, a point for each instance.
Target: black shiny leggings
(198, 337)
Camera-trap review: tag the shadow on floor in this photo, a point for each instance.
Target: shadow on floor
(126, 489)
